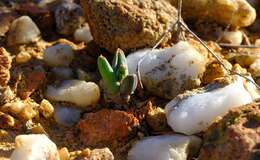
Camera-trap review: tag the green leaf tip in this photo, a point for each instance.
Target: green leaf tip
(107, 74)
(121, 69)
(128, 85)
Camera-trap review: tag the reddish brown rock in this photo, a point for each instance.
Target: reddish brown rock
(106, 126)
(235, 137)
(31, 81)
(128, 24)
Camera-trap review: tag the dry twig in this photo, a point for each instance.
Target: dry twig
(170, 29)
(154, 47)
(217, 58)
(237, 46)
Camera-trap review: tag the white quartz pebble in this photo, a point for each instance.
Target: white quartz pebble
(23, 31)
(34, 147)
(193, 111)
(78, 92)
(232, 37)
(168, 72)
(255, 68)
(165, 147)
(83, 34)
(58, 55)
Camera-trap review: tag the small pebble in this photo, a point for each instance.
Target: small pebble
(67, 116)
(257, 42)
(58, 55)
(165, 147)
(156, 119)
(23, 57)
(81, 93)
(28, 112)
(46, 108)
(64, 154)
(23, 31)
(86, 152)
(232, 37)
(34, 147)
(6, 95)
(38, 129)
(83, 34)
(101, 154)
(68, 17)
(255, 68)
(25, 110)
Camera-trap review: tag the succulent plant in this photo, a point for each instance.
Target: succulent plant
(117, 82)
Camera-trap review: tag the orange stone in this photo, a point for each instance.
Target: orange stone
(106, 126)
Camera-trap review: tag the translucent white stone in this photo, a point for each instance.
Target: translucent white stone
(79, 92)
(34, 147)
(166, 147)
(168, 72)
(22, 31)
(232, 37)
(58, 55)
(193, 111)
(83, 34)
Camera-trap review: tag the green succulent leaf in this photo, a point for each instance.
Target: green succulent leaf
(115, 62)
(122, 69)
(108, 75)
(128, 85)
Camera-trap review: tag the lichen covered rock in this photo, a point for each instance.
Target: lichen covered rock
(235, 137)
(170, 71)
(128, 24)
(68, 17)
